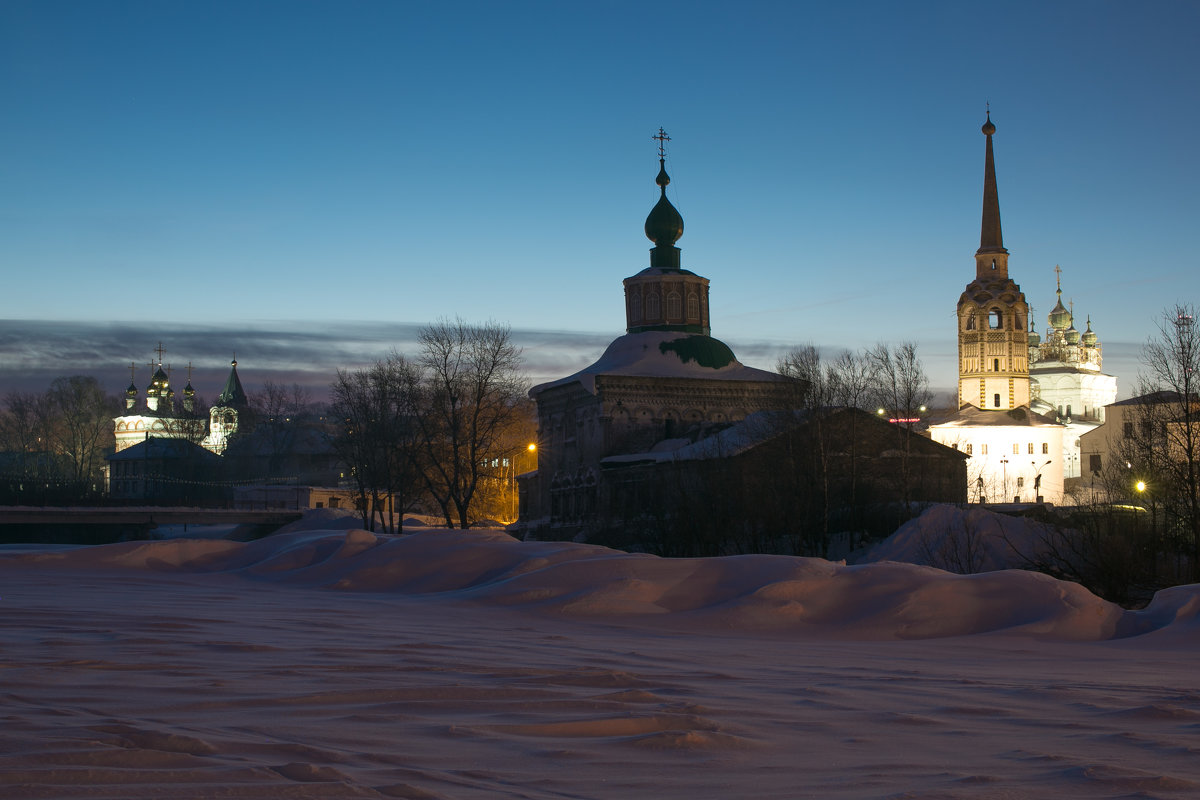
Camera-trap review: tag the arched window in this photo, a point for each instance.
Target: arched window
(635, 306)
(653, 311)
(997, 396)
(995, 321)
(674, 306)
(970, 322)
(693, 306)
(995, 365)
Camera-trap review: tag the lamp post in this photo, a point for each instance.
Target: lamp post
(1004, 464)
(1037, 479)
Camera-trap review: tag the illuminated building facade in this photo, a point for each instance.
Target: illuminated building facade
(1015, 453)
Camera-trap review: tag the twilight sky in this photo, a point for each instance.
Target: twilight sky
(303, 184)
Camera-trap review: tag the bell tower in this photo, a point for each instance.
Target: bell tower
(993, 318)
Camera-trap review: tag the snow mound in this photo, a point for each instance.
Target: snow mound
(962, 540)
(767, 593)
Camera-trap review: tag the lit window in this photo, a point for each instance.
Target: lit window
(1045, 448)
(1016, 449)
(1031, 448)
(983, 449)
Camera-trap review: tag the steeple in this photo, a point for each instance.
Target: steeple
(664, 296)
(232, 395)
(991, 258)
(664, 225)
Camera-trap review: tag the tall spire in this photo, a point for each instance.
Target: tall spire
(991, 257)
(664, 225)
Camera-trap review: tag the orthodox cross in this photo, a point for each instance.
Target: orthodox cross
(662, 138)
(132, 372)
(189, 372)
(1058, 276)
(160, 352)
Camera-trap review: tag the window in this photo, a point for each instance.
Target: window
(674, 307)
(635, 307)
(954, 445)
(983, 449)
(1045, 448)
(1068, 410)
(995, 365)
(995, 322)
(693, 306)
(1094, 462)
(971, 322)
(1020, 481)
(997, 399)
(1016, 449)
(968, 449)
(1031, 448)
(653, 309)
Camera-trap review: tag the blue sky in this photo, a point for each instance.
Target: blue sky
(324, 177)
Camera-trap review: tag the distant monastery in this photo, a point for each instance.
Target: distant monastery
(159, 418)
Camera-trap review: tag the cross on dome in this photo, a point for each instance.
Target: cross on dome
(662, 138)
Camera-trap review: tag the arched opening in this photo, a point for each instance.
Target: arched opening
(653, 309)
(995, 365)
(997, 400)
(674, 306)
(693, 306)
(995, 321)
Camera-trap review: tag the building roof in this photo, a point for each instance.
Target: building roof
(970, 416)
(232, 395)
(665, 354)
(1154, 398)
(157, 448)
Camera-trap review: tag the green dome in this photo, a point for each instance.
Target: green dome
(1089, 338)
(1059, 318)
(1072, 335)
(664, 225)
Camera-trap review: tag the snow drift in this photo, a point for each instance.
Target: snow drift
(765, 593)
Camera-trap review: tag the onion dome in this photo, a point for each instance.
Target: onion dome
(1034, 338)
(188, 391)
(1089, 338)
(1072, 335)
(131, 391)
(158, 383)
(664, 225)
(1059, 318)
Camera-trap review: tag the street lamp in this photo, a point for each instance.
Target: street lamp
(1037, 479)
(1004, 463)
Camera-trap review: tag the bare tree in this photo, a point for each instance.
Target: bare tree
(377, 436)
(23, 432)
(473, 387)
(901, 389)
(80, 426)
(277, 411)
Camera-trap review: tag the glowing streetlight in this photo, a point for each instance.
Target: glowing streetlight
(1140, 486)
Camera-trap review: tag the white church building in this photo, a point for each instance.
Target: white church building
(1016, 454)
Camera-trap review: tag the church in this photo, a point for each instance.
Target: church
(160, 419)
(664, 384)
(1066, 380)
(1016, 454)
(669, 441)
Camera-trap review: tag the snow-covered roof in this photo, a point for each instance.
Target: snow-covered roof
(664, 354)
(970, 416)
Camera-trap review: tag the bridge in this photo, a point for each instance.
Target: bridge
(101, 525)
